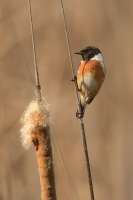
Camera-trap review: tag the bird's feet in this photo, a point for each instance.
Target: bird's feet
(74, 79)
(79, 115)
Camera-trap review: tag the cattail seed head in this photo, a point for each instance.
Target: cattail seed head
(35, 115)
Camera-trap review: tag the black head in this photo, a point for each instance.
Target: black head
(88, 52)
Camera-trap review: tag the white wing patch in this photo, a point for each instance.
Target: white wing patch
(100, 58)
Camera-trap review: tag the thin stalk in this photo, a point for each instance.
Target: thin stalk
(79, 107)
(38, 86)
(36, 118)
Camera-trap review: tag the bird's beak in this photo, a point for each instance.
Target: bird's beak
(79, 53)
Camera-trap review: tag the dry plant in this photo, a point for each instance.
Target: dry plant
(74, 79)
(36, 129)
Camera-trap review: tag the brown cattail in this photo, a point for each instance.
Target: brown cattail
(36, 128)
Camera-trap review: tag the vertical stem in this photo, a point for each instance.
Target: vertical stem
(79, 107)
(70, 55)
(38, 86)
(87, 160)
(41, 139)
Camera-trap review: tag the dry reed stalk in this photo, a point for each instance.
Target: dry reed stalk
(36, 129)
(74, 79)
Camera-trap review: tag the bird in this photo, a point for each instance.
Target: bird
(90, 76)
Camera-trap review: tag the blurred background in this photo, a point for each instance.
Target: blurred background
(108, 120)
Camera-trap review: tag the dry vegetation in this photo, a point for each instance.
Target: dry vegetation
(108, 120)
(36, 130)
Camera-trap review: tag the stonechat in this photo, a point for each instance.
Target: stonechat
(90, 76)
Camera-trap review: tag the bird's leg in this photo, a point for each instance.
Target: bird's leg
(80, 114)
(74, 79)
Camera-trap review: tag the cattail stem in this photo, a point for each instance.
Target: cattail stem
(42, 144)
(36, 129)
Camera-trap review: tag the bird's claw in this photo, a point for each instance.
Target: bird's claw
(74, 78)
(79, 115)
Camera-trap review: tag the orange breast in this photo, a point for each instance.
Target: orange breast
(92, 67)
(90, 78)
